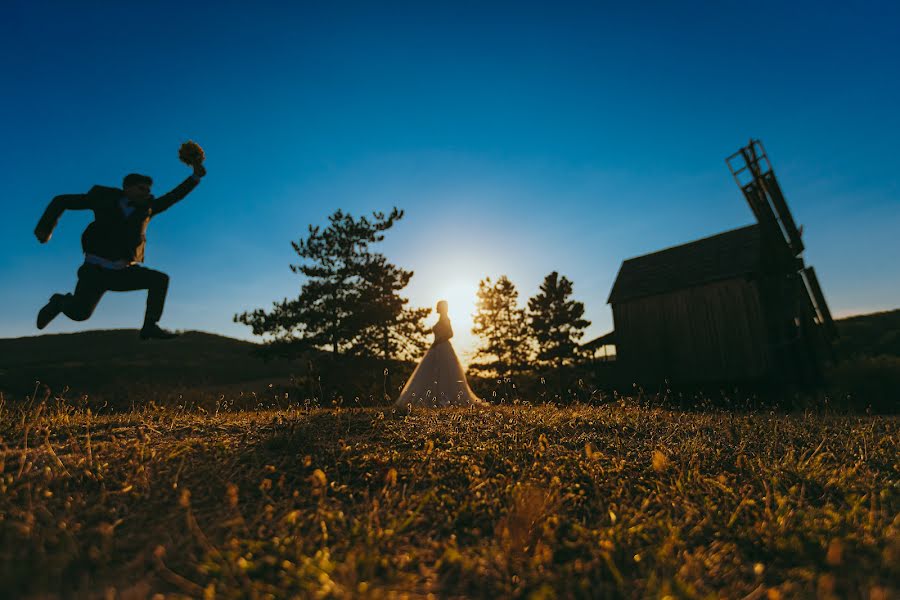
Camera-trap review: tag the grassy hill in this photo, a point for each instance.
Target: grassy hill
(95, 361)
(868, 367)
(115, 363)
(874, 334)
(116, 366)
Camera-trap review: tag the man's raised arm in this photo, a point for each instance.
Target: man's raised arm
(184, 188)
(45, 226)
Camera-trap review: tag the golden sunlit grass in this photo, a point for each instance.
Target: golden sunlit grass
(537, 502)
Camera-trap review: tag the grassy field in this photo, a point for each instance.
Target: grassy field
(511, 501)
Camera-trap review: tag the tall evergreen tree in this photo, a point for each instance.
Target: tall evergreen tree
(502, 327)
(350, 302)
(556, 321)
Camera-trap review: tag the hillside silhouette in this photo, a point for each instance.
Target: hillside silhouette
(107, 360)
(873, 334)
(118, 361)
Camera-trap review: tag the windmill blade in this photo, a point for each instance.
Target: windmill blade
(783, 213)
(753, 172)
(747, 166)
(759, 204)
(818, 301)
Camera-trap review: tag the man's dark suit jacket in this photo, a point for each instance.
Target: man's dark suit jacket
(112, 235)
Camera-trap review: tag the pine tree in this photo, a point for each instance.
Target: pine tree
(350, 301)
(556, 322)
(502, 327)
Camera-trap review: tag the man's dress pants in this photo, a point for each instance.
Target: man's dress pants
(94, 281)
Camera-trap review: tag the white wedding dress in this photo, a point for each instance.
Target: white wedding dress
(439, 378)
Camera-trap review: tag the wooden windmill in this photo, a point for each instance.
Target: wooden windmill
(737, 306)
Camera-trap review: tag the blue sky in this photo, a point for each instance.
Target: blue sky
(520, 138)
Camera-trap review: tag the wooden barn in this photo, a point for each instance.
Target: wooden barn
(739, 306)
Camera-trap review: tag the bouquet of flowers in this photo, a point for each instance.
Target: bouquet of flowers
(191, 153)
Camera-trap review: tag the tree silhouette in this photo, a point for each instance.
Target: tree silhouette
(350, 301)
(502, 327)
(556, 321)
(389, 327)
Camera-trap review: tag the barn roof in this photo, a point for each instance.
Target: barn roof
(606, 339)
(727, 255)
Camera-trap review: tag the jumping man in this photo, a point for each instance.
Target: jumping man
(113, 247)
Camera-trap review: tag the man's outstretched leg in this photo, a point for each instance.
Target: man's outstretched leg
(80, 305)
(157, 284)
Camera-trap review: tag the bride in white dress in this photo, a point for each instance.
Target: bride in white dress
(439, 379)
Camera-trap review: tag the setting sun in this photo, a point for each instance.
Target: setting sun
(460, 296)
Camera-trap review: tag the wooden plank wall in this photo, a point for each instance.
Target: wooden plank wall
(713, 332)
